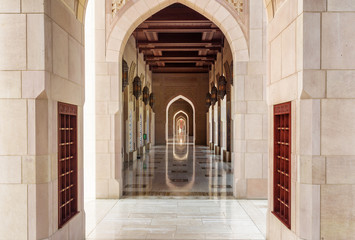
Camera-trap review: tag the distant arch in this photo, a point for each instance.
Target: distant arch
(187, 122)
(167, 116)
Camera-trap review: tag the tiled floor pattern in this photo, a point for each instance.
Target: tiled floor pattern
(175, 218)
(178, 170)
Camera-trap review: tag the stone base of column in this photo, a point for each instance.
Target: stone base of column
(226, 156)
(217, 150)
(148, 146)
(141, 151)
(133, 156)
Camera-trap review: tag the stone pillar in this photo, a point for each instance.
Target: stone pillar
(312, 64)
(212, 127)
(42, 62)
(215, 123)
(223, 127)
(249, 112)
(109, 110)
(152, 128)
(208, 128)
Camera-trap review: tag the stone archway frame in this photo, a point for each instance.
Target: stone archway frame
(134, 13)
(187, 122)
(167, 116)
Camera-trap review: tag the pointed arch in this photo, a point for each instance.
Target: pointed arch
(134, 13)
(187, 122)
(167, 116)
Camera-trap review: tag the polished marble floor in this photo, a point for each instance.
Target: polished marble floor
(175, 218)
(178, 169)
(177, 191)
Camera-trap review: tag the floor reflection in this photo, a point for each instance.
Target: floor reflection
(178, 169)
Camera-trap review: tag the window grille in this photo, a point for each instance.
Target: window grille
(282, 162)
(67, 163)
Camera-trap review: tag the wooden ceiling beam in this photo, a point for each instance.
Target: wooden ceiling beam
(181, 48)
(207, 36)
(177, 22)
(180, 59)
(168, 29)
(157, 52)
(180, 69)
(152, 36)
(175, 43)
(180, 54)
(207, 62)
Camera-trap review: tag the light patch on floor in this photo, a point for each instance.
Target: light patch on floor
(175, 218)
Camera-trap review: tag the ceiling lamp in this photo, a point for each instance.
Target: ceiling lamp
(146, 95)
(208, 100)
(151, 100)
(213, 90)
(222, 82)
(137, 83)
(124, 74)
(146, 89)
(213, 95)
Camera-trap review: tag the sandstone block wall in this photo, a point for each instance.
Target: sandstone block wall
(168, 86)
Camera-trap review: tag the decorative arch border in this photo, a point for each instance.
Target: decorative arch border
(167, 116)
(134, 13)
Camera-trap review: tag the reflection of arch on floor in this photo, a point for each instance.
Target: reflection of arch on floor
(187, 123)
(167, 116)
(190, 184)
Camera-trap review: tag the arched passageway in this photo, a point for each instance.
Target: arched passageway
(309, 70)
(181, 127)
(180, 104)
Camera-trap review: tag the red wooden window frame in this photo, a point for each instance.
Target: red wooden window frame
(282, 163)
(67, 163)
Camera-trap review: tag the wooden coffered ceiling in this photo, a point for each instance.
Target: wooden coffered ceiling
(179, 40)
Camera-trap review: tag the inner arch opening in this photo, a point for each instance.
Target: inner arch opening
(179, 55)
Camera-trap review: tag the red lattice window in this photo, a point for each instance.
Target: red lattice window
(282, 162)
(67, 163)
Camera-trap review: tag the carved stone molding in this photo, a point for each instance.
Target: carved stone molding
(241, 8)
(238, 5)
(117, 5)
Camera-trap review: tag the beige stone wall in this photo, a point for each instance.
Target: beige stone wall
(311, 64)
(42, 56)
(249, 111)
(108, 115)
(109, 110)
(168, 86)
